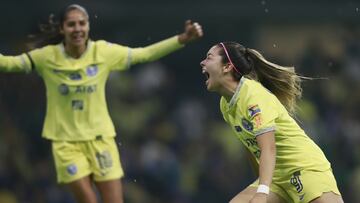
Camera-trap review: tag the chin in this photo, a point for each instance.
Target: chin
(210, 89)
(78, 43)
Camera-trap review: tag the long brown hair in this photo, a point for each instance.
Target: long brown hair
(282, 81)
(50, 31)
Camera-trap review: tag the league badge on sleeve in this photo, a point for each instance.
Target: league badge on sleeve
(254, 110)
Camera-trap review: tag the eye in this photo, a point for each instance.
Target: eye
(83, 23)
(70, 24)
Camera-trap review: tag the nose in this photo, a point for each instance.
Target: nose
(202, 63)
(77, 27)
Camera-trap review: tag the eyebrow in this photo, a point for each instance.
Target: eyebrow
(81, 20)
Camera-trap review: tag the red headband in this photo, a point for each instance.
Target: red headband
(228, 57)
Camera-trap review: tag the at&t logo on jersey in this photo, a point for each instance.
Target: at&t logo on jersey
(63, 89)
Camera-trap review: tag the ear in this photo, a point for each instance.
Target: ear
(227, 68)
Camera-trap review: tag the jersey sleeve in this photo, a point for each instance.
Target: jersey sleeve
(20, 63)
(40, 57)
(116, 55)
(154, 51)
(261, 111)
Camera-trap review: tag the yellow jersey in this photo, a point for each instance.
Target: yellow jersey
(75, 88)
(253, 110)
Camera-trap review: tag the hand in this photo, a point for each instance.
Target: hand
(192, 32)
(259, 198)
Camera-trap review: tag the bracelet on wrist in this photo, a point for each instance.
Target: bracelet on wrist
(263, 189)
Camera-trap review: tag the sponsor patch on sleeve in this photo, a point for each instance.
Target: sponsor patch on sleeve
(258, 120)
(253, 110)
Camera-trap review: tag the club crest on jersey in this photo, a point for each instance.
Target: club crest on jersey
(253, 111)
(247, 124)
(92, 70)
(71, 169)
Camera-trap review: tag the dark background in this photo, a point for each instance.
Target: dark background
(174, 145)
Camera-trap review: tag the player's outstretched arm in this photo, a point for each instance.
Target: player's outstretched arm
(192, 32)
(19, 63)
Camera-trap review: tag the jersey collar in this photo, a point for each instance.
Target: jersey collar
(88, 47)
(237, 91)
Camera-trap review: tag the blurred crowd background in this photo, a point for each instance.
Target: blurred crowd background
(175, 147)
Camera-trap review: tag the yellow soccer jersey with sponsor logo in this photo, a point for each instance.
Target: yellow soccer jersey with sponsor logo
(253, 110)
(75, 88)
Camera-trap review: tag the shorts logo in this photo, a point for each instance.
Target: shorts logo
(104, 159)
(296, 182)
(92, 70)
(71, 169)
(247, 124)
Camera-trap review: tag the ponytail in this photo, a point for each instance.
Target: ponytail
(49, 34)
(282, 81)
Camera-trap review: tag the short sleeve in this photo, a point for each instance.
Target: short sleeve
(262, 112)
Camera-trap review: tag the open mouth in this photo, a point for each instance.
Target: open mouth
(77, 36)
(207, 76)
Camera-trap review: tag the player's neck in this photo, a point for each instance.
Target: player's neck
(75, 51)
(228, 89)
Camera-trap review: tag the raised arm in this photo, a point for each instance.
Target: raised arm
(19, 63)
(266, 142)
(192, 31)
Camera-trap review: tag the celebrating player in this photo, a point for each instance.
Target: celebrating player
(75, 70)
(258, 100)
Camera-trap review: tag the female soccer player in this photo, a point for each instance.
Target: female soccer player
(77, 120)
(258, 101)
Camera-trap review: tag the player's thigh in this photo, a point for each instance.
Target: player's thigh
(308, 186)
(110, 191)
(70, 161)
(82, 190)
(246, 195)
(104, 159)
(328, 197)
